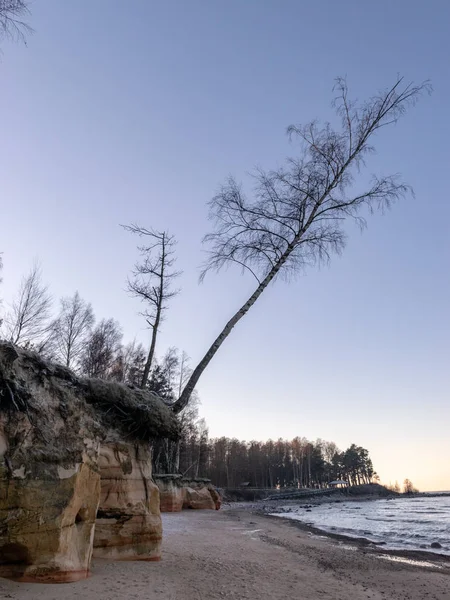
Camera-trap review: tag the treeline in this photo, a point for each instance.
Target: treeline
(229, 462)
(297, 463)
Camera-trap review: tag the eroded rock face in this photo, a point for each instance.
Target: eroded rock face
(216, 497)
(128, 525)
(171, 495)
(199, 498)
(177, 493)
(47, 514)
(58, 435)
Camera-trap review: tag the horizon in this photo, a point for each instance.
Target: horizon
(145, 119)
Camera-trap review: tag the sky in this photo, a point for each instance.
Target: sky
(115, 114)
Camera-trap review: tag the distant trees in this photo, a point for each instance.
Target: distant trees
(356, 465)
(27, 323)
(408, 487)
(296, 215)
(12, 23)
(394, 488)
(167, 379)
(71, 329)
(297, 463)
(153, 282)
(128, 366)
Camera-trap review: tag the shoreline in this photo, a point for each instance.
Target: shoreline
(269, 510)
(242, 554)
(376, 548)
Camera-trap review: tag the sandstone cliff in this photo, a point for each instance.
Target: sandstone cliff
(128, 525)
(178, 492)
(70, 448)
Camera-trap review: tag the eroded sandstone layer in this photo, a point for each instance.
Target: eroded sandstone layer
(69, 447)
(128, 525)
(178, 492)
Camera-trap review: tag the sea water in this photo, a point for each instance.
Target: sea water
(401, 523)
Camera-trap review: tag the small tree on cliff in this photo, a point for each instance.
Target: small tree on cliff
(27, 323)
(71, 329)
(129, 363)
(152, 282)
(295, 218)
(101, 350)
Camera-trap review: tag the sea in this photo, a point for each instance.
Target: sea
(400, 523)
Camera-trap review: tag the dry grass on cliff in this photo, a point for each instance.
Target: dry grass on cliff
(26, 380)
(138, 414)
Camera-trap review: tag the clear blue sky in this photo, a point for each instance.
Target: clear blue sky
(119, 112)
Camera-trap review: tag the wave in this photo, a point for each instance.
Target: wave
(402, 524)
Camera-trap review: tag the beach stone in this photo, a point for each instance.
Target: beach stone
(436, 545)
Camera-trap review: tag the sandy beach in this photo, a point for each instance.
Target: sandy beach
(234, 553)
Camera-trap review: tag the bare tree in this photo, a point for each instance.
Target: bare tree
(128, 366)
(170, 365)
(12, 24)
(296, 215)
(28, 321)
(101, 349)
(408, 487)
(175, 372)
(152, 282)
(71, 329)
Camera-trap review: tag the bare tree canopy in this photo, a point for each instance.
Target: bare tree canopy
(71, 329)
(28, 321)
(128, 366)
(12, 23)
(296, 214)
(153, 281)
(101, 349)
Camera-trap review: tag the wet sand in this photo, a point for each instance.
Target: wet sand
(234, 553)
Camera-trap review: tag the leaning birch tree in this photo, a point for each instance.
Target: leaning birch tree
(12, 23)
(296, 214)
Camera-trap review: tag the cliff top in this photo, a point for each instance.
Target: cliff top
(32, 386)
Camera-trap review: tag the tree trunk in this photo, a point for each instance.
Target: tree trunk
(177, 457)
(151, 353)
(198, 371)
